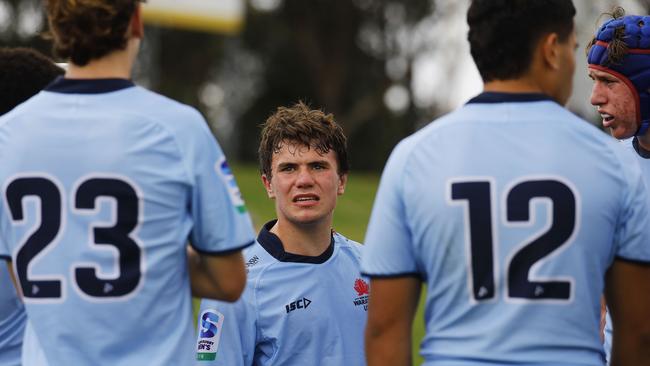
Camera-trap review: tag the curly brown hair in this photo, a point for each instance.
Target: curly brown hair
(617, 48)
(84, 30)
(303, 125)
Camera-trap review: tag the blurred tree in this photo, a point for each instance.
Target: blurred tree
(21, 22)
(342, 56)
(358, 59)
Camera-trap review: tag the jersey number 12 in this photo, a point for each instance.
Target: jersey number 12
(478, 212)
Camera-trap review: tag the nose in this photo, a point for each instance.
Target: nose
(598, 96)
(305, 178)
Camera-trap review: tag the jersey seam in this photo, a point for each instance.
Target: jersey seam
(178, 106)
(255, 298)
(393, 275)
(409, 156)
(626, 183)
(177, 146)
(222, 252)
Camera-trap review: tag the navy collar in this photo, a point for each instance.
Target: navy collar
(87, 86)
(273, 245)
(499, 97)
(639, 149)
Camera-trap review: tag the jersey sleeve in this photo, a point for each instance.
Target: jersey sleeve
(221, 222)
(632, 236)
(5, 254)
(388, 250)
(4, 251)
(226, 333)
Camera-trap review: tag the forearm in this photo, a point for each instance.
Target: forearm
(630, 351)
(393, 302)
(627, 293)
(220, 278)
(388, 348)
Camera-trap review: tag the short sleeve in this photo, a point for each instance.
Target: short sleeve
(388, 250)
(226, 333)
(632, 236)
(221, 221)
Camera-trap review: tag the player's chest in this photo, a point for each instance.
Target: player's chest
(311, 301)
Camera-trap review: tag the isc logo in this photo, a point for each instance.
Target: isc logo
(299, 304)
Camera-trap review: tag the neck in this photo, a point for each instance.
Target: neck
(117, 64)
(523, 85)
(310, 240)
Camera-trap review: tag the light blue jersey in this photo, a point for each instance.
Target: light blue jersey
(511, 209)
(642, 157)
(12, 321)
(296, 310)
(103, 183)
(609, 331)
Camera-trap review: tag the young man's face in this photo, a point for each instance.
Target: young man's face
(304, 184)
(615, 102)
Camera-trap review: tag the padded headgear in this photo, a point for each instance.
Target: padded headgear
(634, 68)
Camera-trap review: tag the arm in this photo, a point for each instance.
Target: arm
(627, 291)
(393, 303)
(220, 277)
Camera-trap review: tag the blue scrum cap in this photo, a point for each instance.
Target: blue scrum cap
(634, 68)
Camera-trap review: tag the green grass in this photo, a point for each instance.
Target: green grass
(350, 218)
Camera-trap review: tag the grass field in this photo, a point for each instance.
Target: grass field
(350, 218)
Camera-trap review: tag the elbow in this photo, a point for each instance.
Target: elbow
(233, 290)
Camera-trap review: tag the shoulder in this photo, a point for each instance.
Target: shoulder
(257, 260)
(168, 112)
(348, 246)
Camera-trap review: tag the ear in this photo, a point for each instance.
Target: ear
(550, 45)
(137, 24)
(267, 186)
(343, 180)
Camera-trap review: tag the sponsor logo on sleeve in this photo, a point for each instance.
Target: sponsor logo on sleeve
(363, 293)
(211, 323)
(223, 169)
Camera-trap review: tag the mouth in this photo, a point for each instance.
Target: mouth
(306, 198)
(608, 119)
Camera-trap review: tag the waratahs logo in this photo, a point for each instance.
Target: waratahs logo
(209, 323)
(235, 196)
(363, 293)
(361, 287)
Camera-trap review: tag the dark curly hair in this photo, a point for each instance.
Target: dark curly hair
(24, 73)
(503, 33)
(84, 30)
(306, 126)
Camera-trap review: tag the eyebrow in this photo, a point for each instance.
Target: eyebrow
(313, 162)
